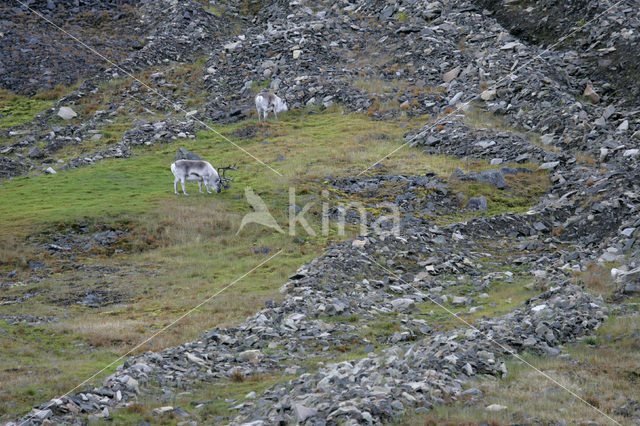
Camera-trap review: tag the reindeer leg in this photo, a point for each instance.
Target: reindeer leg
(200, 186)
(183, 190)
(175, 186)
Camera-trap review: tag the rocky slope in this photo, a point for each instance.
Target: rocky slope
(456, 60)
(599, 39)
(36, 56)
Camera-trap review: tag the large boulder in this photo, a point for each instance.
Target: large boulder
(67, 113)
(183, 154)
(492, 177)
(477, 203)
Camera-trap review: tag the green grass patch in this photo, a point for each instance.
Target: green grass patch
(16, 110)
(28, 380)
(194, 249)
(379, 330)
(181, 249)
(503, 297)
(602, 370)
(210, 401)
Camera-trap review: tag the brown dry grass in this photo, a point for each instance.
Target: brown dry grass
(603, 374)
(597, 277)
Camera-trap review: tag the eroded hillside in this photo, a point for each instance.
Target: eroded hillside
(507, 293)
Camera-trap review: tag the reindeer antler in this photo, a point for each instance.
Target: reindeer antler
(225, 181)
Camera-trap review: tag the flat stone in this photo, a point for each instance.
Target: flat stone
(230, 47)
(66, 113)
(631, 288)
(456, 98)
(623, 127)
(608, 112)
(495, 407)
(162, 410)
(488, 95)
(627, 232)
(451, 75)
(590, 93)
(35, 152)
(387, 12)
(183, 154)
(460, 300)
(475, 392)
(547, 139)
(539, 308)
(34, 265)
(477, 203)
(403, 304)
(42, 414)
(191, 357)
(358, 243)
(252, 355)
(539, 226)
(510, 45)
(302, 413)
(600, 122)
(549, 166)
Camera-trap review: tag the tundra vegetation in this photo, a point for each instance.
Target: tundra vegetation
(140, 256)
(178, 251)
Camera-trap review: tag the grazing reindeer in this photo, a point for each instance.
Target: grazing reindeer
(199, 171)
(225, 182)
(266, 102)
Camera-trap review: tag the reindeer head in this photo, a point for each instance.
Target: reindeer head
(225, 182)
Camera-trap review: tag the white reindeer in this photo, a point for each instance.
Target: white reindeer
(202, 172)
(195, 171)
(266, 102)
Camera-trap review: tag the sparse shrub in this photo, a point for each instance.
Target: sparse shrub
(591, 340)
(51, 95)
(374, 108)
(14, 253)
(557, 231)
(136, 408)
(237, 377)
(596, 277)
(593, 400)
